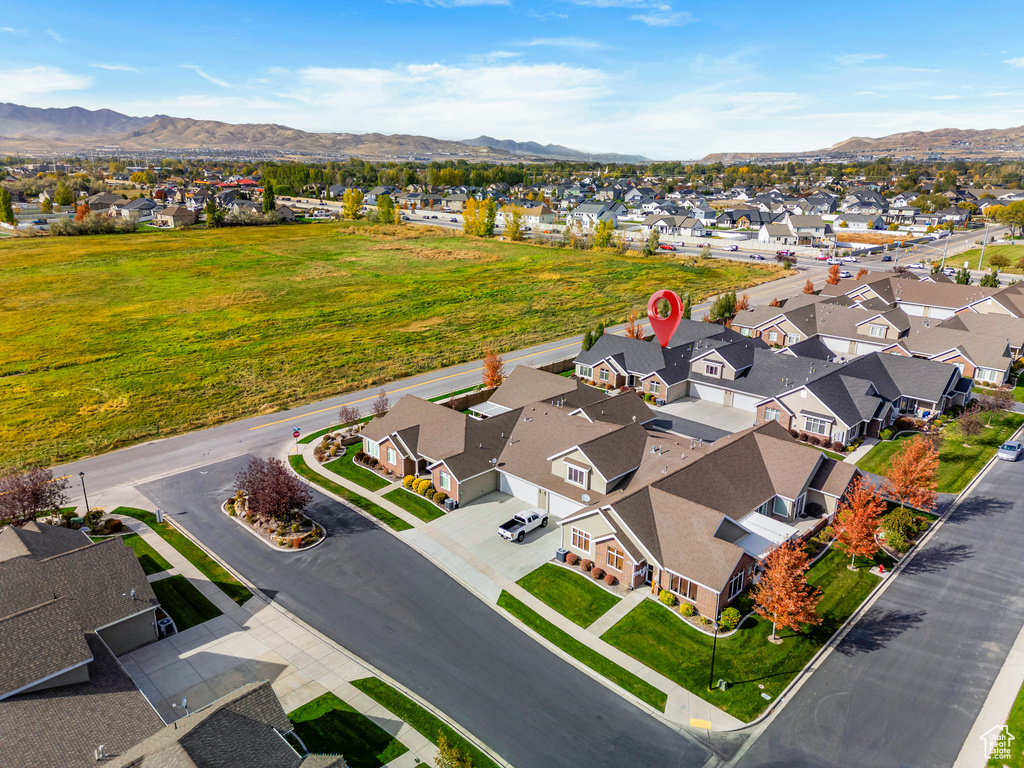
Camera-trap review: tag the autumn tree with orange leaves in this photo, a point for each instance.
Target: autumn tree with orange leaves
(833, 275)
(494, 369)
(81, 212)
(777, 303)
(862, 272)
(783, 596)
(634, 329)
(808, 286)
(911, 480)
(743, 302)
(857, 521)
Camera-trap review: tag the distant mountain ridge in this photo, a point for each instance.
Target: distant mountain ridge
(554, 151)
(35, 122)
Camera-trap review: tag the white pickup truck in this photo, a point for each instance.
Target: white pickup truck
(522, 523)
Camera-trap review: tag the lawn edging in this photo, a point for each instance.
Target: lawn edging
(290, 550)
(426, 515)
(887, 579)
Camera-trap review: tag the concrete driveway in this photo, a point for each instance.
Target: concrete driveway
(708, 421)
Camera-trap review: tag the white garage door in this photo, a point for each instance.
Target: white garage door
(745, 402)
(704, 392)
(521, 489)
(559, 506)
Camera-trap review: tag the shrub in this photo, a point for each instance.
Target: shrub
(231, 511)
(250, 518)
(597, 573)
(408, 480)
(422, 485)
(837, 447)
(667, 598)
(429, 491)
(231, 501)
(885, 434)
(296, 527)
(803, 437)
(685, 609)
(609, 579)
(296, 542)
(373, 462)
(586, 565)
(704, 621)
(439, 497)
(571, 559)
(334, 450)
(898, 526)
(730, 618)
(794, 433)
(92, 518)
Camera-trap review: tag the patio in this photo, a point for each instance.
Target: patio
(701, 419)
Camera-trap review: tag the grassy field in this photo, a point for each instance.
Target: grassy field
(111, 340)
(329, 726)
(420, 719)
(209, 567)
(415, 505)
(651, 634)
(584, 653)
(1015, 253)
(183, 602)
(571, 594)
(1015, 724)
(393, 521)
(345, 467)
(957, 465)
(150, 560)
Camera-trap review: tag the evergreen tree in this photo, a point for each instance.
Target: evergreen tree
(963, 276)
(991, 280)
(6, 207)
(269, 205)
(588, 340)
(687, 307)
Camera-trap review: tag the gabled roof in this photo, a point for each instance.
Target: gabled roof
(897, 376)
(525, 385)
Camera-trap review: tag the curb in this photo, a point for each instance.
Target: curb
(286, 550)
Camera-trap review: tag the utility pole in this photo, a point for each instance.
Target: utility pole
(945, 248)
(984, 242)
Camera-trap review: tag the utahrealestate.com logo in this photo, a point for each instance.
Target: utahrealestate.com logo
(997, 742)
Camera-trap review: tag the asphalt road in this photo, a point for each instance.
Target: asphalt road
(906, 685)
(383, 601)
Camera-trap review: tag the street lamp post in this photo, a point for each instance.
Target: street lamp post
(81, 476)
(714, 646)
(984, 242)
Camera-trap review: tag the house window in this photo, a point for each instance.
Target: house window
(736, 585)
(712, 369)
(575, 475)
(372, 449)
(745, 331)
(445, 480)
(878, 331)
(614, 558)
(792, 338)
(580, 540)
(655, 387)
(392, 457)
(766, 508)
(773, 336)
(682, 587)
(771, 414)
(816, 426)
(986, 374)
(604, 374)
(586, 372)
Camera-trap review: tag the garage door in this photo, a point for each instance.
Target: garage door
(704, 392)
(559, 506)
(745, 402)
(521, 489)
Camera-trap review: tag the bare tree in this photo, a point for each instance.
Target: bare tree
(25, 496)
(348, 414)
(381, 405)
(271, 491)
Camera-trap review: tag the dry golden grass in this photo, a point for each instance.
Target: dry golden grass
(869, 238)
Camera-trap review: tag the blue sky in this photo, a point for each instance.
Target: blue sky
(654, 77)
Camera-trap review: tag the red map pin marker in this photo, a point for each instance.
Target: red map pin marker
(664, 327)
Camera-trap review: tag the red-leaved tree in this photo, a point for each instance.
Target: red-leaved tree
(911, 480)
(24, 496)
(743, 302)
(862, 272)
(833, 275)
(634, 329)
(81, 212)
(493, 369)
(857, 521)
(783, 595)
(809, 287)
(271, 491)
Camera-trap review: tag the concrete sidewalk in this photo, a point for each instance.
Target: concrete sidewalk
(862, 451)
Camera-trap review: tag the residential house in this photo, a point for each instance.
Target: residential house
(586, 215)
(176, 216)
(102, 201)
(858, 222)
(677, 226)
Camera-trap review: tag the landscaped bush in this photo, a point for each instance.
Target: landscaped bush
(837, 447)
(667, 598)
(730, 618)
(803, 437)
(609, 579)
(572, 558)
(597, 573)
(440, 497)
(885, 434)
(408, 480)
(898, 526)
(422, 485)
(586, 565)
(794, 433)
(704, 621)
(296, 527)
(360, 456)
(296, 542)
(334, 450)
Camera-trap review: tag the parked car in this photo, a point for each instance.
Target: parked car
(834, 261)
(949, 272)
(785, 252)
(522, 523)
(666, 247)
(887, 257)
(730, 248)
(757, 257)
(845, 273)
(1010, 450)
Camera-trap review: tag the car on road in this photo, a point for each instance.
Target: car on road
(845, 273)
(704, 245)
(918, 265)
(757, 257)
(1010, 450)
(522, 523)
(666, 247)
(949, 272)
(785, 252)
(834, 261)
(452, 218)
(822, 257)
(850, 259)
(887, 257)
(730, 247)
(433, 217)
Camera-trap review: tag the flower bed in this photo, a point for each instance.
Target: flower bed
(298, 532)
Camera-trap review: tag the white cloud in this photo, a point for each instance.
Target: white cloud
(13, 31)
(945, 97)
(564, 42)
(17, 84)
(853, 59)
(115, 67)
(211, 78)
(56, 36)
(1016, 63)
(455, 3)
(667, 18)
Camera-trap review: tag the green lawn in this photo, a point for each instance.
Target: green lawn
(584, 653)
(1018, 390)
(415, 505)
(319, 433)
(155, 335)
(183, 602)
(571, 594)
(419, 719)
(456, 393)
(345, 467)
(651, 634)
(1015, 723)
(1013, 252)
(393, 521)
(329, 726)
(957, 465)
(151, 560)
(195, 554)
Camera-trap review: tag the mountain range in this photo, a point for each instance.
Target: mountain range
(30, 129)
